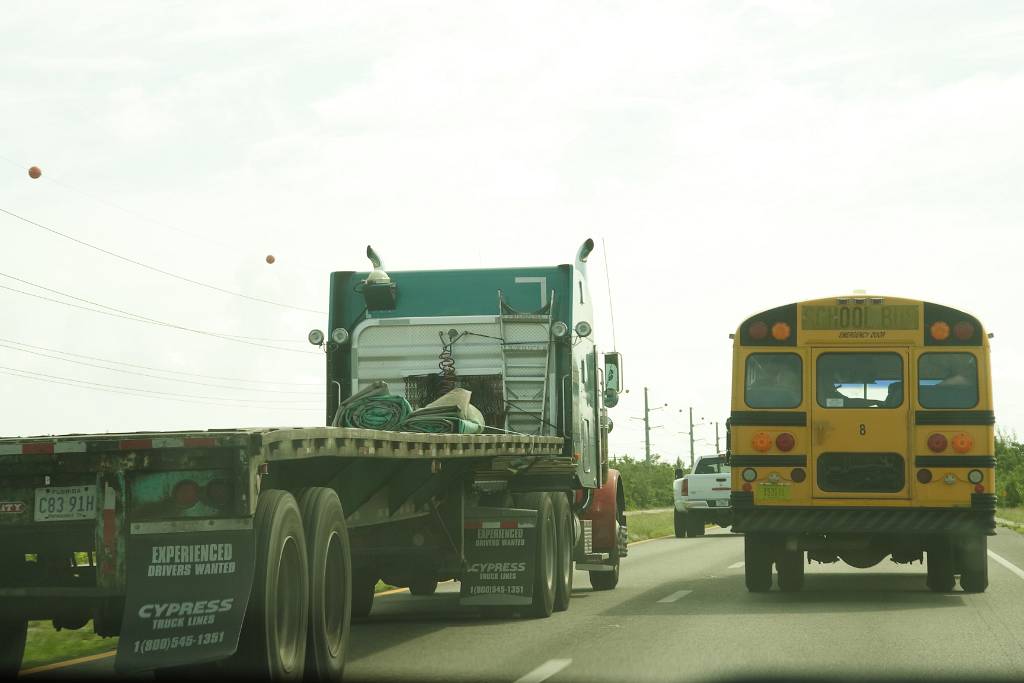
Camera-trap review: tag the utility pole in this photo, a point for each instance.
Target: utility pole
(718, 450)
(691, 438)
(647, 430)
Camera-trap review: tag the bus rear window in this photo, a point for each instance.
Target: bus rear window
(773, 380)
(859, 380)
(947, 380)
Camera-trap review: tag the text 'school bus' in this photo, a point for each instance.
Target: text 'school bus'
(862, 427)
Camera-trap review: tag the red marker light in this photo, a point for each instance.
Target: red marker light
(747, 487)
(963, 330)
(270, 258)
(34, 172)
(758, 330)
(785, 442)
(937, 443)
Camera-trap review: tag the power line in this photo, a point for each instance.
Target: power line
(608, 281)
(151, 391)
(142, 319)
(158, 270)
(168, 379)
(150, 367)
(140, 395)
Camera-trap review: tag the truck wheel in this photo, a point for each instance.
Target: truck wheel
(973, 553)
(547, 557)
(694, 524)
(564, 568)
(330, 590)
(940, 565)
(363, 589)
(12, 646)
(605, 581)
(679, 521)
(791, 570)
(757, 563)
(273, 641)
(422, 585)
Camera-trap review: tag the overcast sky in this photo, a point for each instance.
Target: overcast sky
(733, 156)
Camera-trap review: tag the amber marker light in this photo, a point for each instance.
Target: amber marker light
(962, 442)
(781, 331)
(762, 441)
(939, 330)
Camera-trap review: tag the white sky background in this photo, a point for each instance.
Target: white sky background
(734, 156)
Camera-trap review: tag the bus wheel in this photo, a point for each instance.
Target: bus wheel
(940, 565)
(364, 586)
(694, 524)
(973, 552)
(757, 563)
(563, 575)
(679, 519)
(791, 570)
(273, 640)
(330, 591)
(422, 585)
(547, 555)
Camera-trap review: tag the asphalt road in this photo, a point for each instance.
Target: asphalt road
(681, 612)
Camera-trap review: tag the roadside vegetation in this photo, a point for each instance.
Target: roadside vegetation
(648, 486)
(46, 645)
(649, 525)
(1010, 475)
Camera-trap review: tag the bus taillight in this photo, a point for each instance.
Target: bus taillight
(758, 330)
(937, 443)
(963, 330)
(939, 330)
(798, 475)
(785, 441)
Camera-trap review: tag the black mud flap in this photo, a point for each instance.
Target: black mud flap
(501, 557)
(186, 596)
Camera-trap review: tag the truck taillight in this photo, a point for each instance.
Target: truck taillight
(185, 493)
(685, 488)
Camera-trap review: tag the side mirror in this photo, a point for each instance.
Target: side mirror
(679, 473)
(613, 371)
(611, 398)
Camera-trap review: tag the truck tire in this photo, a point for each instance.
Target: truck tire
(12, 646)
(330, 583)
(605, 581)
(547, 555)
(940, 565)
(363, 588)
(423, 585)
(273, 641)
(694, 524)
(565, 538)
(790, 565)
(757, 563)
(679, 521)
(973, 552)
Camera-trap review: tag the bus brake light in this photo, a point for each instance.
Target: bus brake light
(785, 442)
(963, 330)
(939, 330)
(758, 330)
(924, 476)
(937, 443)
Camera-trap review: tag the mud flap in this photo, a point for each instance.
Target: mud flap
(501, 557)
(186, 595)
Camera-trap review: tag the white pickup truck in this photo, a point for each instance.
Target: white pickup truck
(702, 496)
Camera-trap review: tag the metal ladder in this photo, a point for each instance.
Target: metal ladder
(526, 360)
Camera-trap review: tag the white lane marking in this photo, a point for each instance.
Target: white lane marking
(1006, 563)
(735, 565)
(545, 671)
(675, 596)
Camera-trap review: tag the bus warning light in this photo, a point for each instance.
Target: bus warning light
(963, 330)
(937, 443)
(940, 330)
(758, 330)
(781, 331)
(962, 442)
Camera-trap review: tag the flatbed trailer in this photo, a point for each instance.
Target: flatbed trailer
(250, 550)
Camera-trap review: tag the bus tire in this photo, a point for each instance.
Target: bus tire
(564, 568)
(605, 581)
(273, 640)
(790, 565)
(423, 585)
(940, 565)
(330, 587)
(973, 552)
(545, 574)
(679, 522)
(694, 524)
(12, 646)
(757, 563)
(364, 586)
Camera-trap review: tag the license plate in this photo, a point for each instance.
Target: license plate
(61, 503)
(773, 492)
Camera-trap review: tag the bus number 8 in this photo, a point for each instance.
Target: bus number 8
(863, 430)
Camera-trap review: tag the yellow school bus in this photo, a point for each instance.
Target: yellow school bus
(862, 428)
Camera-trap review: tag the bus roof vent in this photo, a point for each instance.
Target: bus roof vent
(843, 300)
(877, 300)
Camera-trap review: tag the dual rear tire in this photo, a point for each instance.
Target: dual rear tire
(761, 553)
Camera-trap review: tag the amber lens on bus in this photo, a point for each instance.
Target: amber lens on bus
(798, 475)
(185, 493)
(937, 443)
(758, 330)
(780, 331)
(962, 443)
(939, 330)
(785, 441)
(963, 330)
(761, 442)
(924, 476)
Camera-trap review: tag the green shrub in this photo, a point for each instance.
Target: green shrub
(1009, 469)
(646, 485)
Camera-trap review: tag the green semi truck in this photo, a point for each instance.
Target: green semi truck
(249, 550)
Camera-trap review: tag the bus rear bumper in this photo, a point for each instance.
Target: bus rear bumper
(979, 518)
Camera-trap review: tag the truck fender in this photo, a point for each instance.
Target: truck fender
(607, 508)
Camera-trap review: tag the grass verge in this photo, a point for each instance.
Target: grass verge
(649, 525)
(1015, 515)
(46, 645)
